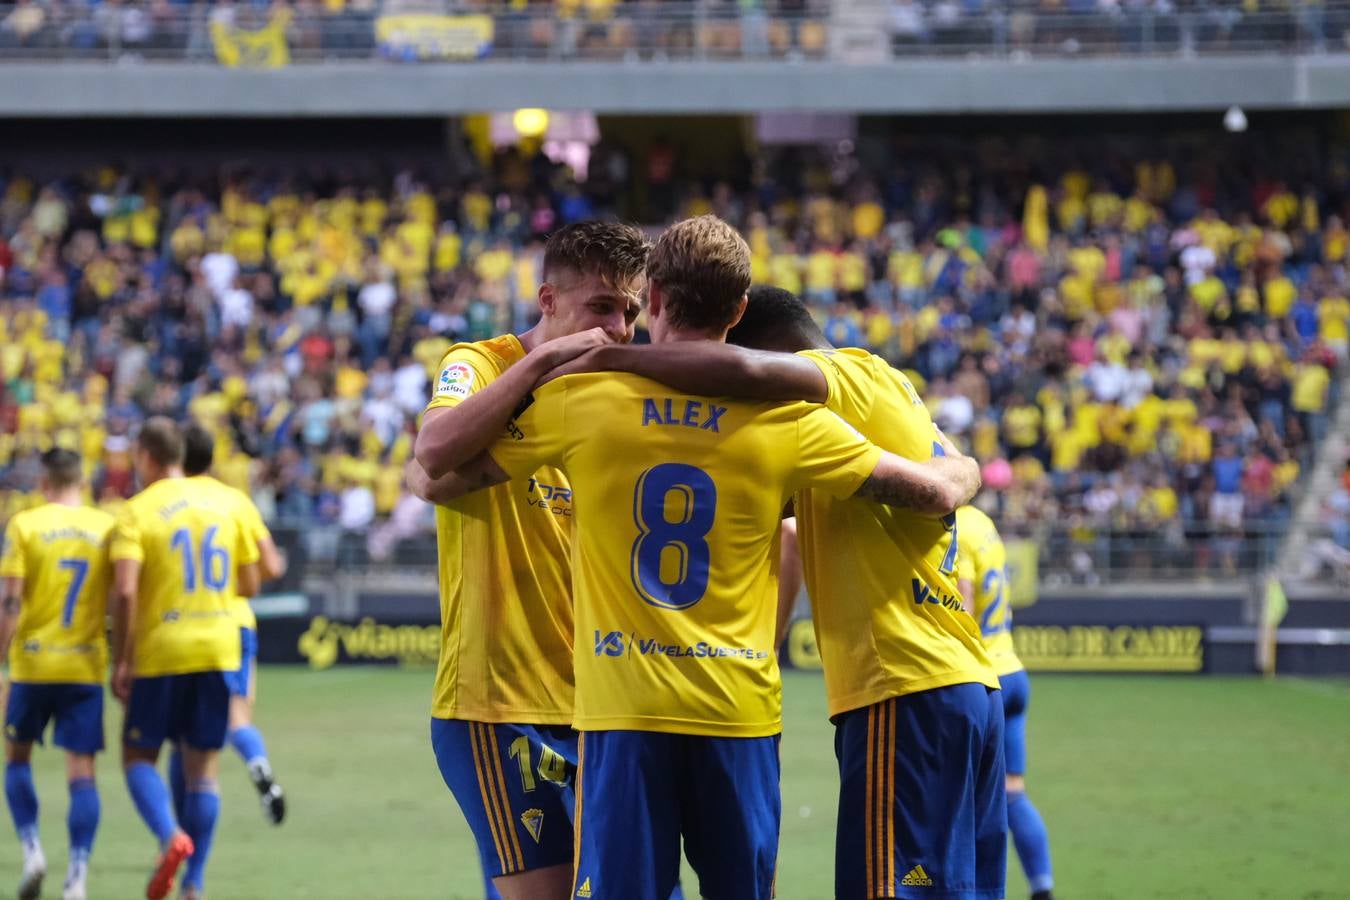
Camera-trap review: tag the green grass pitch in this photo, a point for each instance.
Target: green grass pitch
(1151, 787)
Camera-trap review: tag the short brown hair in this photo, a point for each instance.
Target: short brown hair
(612, 250)
(61, 468)
(703, 268)
(162, 438)
(199, 448)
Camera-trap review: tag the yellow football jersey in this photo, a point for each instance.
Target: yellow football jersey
(505, 577)
(250, 520)
(61, 553)
(984, 561)
(882, 580)
(189, 544)
(675, 576)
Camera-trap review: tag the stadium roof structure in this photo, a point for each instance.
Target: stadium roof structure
(929, 86)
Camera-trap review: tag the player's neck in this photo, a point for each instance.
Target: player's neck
(536, 336)
(66, 497)
(165, 474)
(688, 335)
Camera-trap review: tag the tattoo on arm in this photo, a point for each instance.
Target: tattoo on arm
(905, 494)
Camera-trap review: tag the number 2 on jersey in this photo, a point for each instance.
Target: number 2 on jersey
(79, 569)
(215, 560)
(674, 506)
(996, 619)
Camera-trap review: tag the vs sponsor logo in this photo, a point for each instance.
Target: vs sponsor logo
(611, 644)
(616, 643)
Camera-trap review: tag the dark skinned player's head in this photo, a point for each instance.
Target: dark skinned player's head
(776, 319)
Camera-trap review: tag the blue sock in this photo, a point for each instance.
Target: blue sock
(152, 800)
(201, 809)
(1031, 841)
(23, 801)
(82, 820)
(248, 743)
(177, 781)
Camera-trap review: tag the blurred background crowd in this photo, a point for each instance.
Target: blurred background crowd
(1145, 344)
(678, 29)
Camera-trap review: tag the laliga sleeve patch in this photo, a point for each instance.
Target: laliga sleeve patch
(456, 381)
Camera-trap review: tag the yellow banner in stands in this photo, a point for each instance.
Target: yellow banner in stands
(1023, 571)
(261, 48)
(422, 36)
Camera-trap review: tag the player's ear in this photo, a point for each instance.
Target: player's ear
(656, 300)
(548, 299)
(740, 311)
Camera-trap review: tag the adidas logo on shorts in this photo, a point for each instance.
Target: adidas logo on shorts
(917, 877)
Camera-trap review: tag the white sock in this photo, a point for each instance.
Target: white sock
(78, 870)
(32, 847)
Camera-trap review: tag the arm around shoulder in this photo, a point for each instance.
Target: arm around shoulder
(935, 488)
(709, 369)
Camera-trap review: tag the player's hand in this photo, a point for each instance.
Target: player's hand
(560, 351)
(121, 681)
(590, 361)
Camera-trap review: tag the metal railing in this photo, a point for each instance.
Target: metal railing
(1174, 551)
(676, 30)
(1083, 555)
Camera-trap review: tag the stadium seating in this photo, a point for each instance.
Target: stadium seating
(274, 34)
(1133, 349)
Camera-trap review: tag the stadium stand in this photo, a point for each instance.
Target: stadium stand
(644, 29)
(1141, 348)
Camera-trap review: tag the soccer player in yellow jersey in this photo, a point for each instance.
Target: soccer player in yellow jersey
(180, 563)
(502, 707)
(55, 594)
(906, 674)
(244, 737)
(677, 501)
(984, 585)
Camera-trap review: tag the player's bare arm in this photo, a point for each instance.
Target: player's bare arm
(477, 474)
(789, 578)
(962, 470)
(452, 436)
(966, 587)
(126, 589)
(709, 369)
(271, 564)
(936, 487)
(11, 596)
(248, 580)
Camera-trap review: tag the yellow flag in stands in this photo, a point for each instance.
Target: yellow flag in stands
(1023, 571)
(260, 48)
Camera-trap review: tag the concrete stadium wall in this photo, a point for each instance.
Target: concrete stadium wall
(919, 86)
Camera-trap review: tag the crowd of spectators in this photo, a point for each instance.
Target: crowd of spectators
(645, 29)
(1131, 346)
(327, 29)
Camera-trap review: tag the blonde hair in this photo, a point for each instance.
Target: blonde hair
(703, 268)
